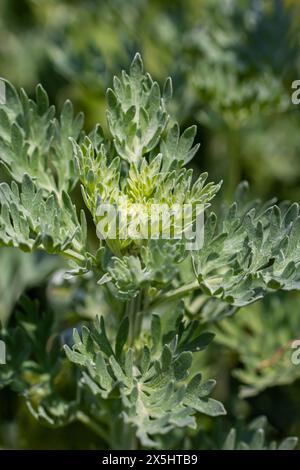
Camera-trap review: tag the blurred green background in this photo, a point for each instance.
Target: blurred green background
(232, 65)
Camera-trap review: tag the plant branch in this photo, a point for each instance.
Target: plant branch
(175, 294)
(91, 424)
(73, 255)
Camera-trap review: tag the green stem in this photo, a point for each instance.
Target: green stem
(91, 424)
(139, 315)
(175, 294)
(137, 322)
(74, 255)
(130, 312)
(133, 311)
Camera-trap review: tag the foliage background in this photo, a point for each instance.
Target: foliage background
(232, 64)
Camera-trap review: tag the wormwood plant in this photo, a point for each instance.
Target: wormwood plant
(132, 373)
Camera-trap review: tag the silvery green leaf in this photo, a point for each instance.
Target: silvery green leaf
(149, 388)
(34, 139)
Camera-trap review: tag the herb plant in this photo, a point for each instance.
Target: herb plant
(132, 374)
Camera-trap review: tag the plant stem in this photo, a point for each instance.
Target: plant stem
(139, 314)
(73, 255)
(175, 294)
(130, 312)
(133, 309)
(91, 424)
